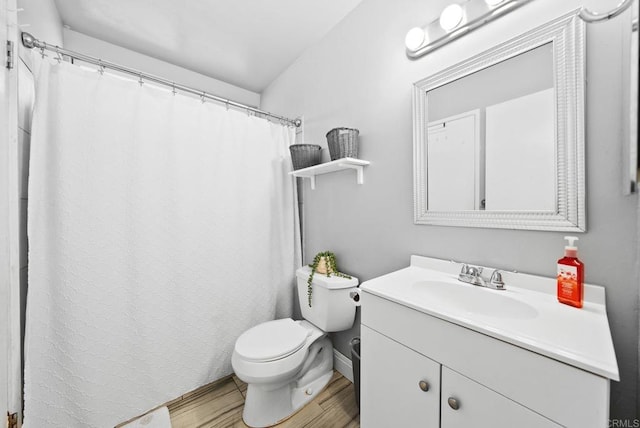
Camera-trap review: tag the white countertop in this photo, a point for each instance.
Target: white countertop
(526, 314)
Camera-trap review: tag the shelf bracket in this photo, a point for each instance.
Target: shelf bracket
(359, 171)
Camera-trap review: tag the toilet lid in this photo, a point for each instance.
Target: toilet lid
(271, 340)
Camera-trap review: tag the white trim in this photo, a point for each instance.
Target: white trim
(5, 266)
(343, 365)
(11, 379)
(630, 151)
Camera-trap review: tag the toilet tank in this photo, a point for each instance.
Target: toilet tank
(332, 308)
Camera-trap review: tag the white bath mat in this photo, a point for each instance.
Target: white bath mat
(159, 418)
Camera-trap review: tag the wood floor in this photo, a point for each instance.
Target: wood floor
(220, 405)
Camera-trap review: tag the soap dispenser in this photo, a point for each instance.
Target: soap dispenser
(570, 275)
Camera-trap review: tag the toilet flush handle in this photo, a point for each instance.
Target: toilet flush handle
(355, 296)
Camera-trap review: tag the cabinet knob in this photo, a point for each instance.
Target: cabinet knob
(424, 385)
(453, 403)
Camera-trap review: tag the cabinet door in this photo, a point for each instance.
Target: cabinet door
(480, 407)
(399, 387)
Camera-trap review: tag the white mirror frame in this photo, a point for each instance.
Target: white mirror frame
(567, 35)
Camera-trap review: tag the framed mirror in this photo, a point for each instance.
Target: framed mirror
(499, 138)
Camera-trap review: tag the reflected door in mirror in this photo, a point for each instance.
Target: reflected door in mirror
(520, 154)
(453, 162)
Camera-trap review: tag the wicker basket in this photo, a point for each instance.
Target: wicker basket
(305, 155)
(343, 143)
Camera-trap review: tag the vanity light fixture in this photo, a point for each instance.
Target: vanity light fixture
(463, 17)
(454, 21)
(451, 17)
(415, 38)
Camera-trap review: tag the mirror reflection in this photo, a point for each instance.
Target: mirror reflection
(491, 138)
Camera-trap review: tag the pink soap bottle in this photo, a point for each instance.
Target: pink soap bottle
(570, 275)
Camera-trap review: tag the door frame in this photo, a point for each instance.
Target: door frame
(10, 363)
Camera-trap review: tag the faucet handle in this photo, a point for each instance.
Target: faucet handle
(474, 270)
(465, 269)
(496, 280)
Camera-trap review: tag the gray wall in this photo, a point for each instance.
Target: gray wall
(359, 76)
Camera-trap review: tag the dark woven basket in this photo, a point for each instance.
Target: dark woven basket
(305, 155)
(343, 143)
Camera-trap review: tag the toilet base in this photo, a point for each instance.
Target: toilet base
(267, 405)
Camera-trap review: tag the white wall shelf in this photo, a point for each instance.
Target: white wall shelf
(333, 166)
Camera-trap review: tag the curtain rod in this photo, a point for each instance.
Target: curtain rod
(29, 41)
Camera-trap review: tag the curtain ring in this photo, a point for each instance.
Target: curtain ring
(140, 81)
(42, 54)
(226, 105)
(173, 88)
(202, 97)
(100, 67)
(58, 56)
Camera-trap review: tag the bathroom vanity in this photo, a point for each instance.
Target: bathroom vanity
(437, 352)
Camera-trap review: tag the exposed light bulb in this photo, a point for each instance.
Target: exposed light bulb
(414, 38)
(451, 16)
(493, 2)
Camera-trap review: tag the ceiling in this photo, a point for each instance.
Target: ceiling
(247, 43)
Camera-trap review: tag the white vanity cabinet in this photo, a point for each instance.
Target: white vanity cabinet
(424, 364)
(402, 387)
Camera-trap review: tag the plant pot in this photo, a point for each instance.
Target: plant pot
(323, 266)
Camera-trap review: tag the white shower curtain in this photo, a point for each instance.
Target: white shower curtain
(160, 229)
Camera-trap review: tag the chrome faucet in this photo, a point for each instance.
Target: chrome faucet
(473, 275)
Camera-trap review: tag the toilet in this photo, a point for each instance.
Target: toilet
(286, 363)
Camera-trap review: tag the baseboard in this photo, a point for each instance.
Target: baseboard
(343, 365)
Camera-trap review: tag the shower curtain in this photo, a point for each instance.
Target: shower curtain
(160, 229)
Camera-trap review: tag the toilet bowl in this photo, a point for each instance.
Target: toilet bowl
(286, 363)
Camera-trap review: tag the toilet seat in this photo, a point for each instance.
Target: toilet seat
(289, 362)
(272, 340)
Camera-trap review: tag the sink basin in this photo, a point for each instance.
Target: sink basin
(461, 297)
